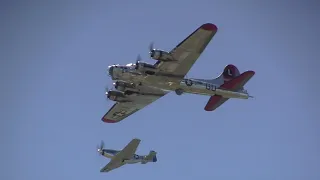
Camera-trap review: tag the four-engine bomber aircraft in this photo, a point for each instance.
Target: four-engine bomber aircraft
(139, 84)
(125, 156)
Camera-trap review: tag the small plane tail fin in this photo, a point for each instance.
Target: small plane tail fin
(151, 157)
(230, 79)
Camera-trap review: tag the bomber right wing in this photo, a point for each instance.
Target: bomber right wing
(125, 154)
(188, 51)
(121, 110)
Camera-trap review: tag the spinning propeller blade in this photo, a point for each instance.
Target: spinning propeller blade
(138, 58)
(137, 61)
(100, 148)
(151, 47)
(106, 89)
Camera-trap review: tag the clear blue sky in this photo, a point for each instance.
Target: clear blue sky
(54, 58)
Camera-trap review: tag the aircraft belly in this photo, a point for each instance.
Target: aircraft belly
(131, 77)
(203, 88)
(189, 86)
(132, 161)
(108, 155)
(156, 80)
(198, 90)
(161, 82)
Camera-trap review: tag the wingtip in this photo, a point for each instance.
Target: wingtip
(209, 27)
(108, 120)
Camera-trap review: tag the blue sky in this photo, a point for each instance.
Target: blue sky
(54, 57)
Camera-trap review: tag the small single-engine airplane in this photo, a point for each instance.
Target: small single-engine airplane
(139, 84)
(125, 156)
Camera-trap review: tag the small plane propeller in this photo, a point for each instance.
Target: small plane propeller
(100, 148)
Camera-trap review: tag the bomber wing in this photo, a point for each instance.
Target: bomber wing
(121, 110)
(124, 154)
(188, 51)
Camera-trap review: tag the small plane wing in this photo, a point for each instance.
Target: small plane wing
(121, 110)
(188, 51)
(125, 153)
(216, 101)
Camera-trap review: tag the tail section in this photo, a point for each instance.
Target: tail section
(154, 156)
(229, 72)
(151, 157)
(230, 79)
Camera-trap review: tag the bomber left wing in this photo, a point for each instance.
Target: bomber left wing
(124, 154)
(121, 110)
(188, 51)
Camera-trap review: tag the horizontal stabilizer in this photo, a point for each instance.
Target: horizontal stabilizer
(238, 82)
(232, 85)
(151, 157)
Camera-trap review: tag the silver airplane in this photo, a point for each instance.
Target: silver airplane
(139, 84)
(125, 156)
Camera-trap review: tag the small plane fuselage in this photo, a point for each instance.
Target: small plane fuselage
(110, 153)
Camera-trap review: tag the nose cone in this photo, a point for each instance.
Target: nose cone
(110, 70)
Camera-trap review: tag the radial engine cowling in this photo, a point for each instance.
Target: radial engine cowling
(146, 68)
(143, 65)
(161, 55)
(122, 86)
(116, 96)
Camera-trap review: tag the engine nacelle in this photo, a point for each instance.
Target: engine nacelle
(123, 86)
(117, 96)
(161, 55)
(146, 68)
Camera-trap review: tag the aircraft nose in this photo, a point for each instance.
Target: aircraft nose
(110, 70)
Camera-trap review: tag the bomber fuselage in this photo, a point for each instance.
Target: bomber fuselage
(128, 73)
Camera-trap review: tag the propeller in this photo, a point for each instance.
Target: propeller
(138, 58)
(100, 148)
(137, 61)
(151, 47)
(106, 89)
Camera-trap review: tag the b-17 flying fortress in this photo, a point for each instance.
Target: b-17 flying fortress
(140, 84)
